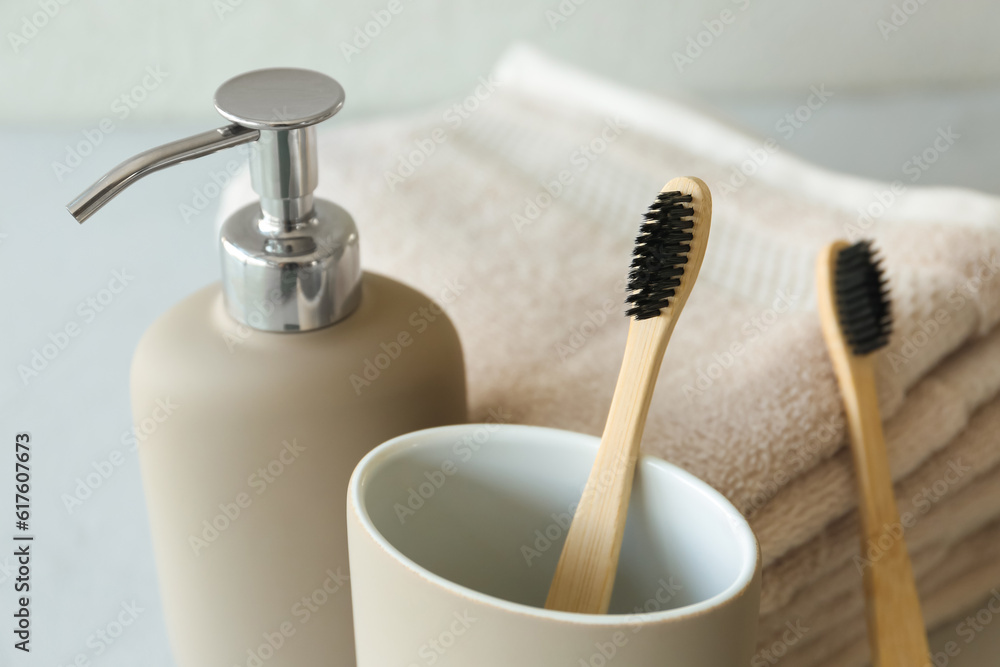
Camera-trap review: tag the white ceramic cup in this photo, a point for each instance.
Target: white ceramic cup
(454, 534)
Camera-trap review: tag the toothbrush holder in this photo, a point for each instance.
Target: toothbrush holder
(454, 534)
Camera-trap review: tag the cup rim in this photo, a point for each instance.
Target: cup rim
(394, 447)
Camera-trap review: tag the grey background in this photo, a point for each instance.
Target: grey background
(91, 52)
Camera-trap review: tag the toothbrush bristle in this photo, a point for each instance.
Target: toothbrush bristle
(660, 255)
(863, 305)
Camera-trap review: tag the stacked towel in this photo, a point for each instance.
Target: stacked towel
(518, 206)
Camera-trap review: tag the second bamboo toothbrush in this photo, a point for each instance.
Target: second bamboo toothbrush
(855, 315)
(668, 256)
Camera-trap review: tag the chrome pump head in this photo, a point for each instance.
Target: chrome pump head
(290, 262)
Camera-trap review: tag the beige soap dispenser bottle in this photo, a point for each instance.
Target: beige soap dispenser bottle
(271, 394)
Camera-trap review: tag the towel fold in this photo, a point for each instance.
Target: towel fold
(935, 412)
(951, 500)
(518, 211)
(965, 573)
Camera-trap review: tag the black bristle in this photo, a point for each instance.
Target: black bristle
(862, 298)
(660, 254)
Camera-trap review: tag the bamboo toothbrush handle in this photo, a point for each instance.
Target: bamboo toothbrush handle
(667, 258)
(895, 624)
(585, 575)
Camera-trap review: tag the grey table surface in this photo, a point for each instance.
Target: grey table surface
(93, 557)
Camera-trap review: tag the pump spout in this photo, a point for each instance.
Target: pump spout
(290, 261)
(131, 170)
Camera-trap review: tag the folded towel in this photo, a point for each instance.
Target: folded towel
(518, 208)
(969, 571)
(952, 501)
(936, 410)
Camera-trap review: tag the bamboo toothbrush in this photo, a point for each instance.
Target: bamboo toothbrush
(668, 254)
(856, 319)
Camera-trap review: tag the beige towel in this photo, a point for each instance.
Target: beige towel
(936, 411)
(525, 200)
(952, 501)
(963, 575)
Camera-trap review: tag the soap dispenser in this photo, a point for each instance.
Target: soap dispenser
(267, 388)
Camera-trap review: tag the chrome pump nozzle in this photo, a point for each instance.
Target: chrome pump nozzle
(290, 262)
